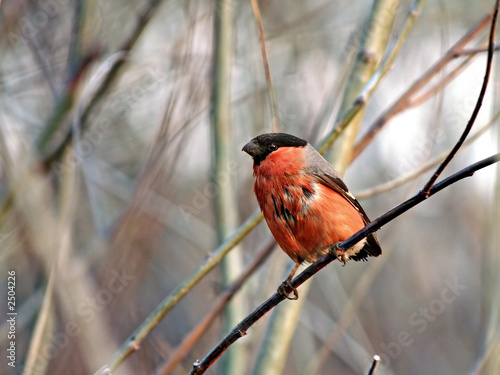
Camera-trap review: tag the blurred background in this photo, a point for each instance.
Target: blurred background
(121, 175)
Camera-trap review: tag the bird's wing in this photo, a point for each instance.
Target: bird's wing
(325, 174)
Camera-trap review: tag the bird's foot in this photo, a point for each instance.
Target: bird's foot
(339, 253)
(284, 286)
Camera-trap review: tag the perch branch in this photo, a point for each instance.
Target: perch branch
(240, 330)
(222, 300)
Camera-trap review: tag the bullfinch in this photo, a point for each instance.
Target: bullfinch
(307, 206)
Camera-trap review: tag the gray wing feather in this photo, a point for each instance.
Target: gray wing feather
(328, 176)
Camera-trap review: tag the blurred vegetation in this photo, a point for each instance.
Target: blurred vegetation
(118, 190)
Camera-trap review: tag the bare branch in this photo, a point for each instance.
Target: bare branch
(106, 83)
(267, 70)
(192, 338)
(401, 180)
(474, 51)
(376, 360)
(404, 100)
(475, 112)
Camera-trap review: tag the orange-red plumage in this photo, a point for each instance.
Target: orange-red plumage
(305, 203)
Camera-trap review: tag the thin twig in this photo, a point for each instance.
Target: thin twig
(107, 81)
(382, 188)
(403, 101)
(413, 102)
(376, 360)
(267, 70)
(475, 112)
(475, 51)
(240, 330)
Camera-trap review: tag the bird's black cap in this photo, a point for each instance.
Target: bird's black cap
(262, 145)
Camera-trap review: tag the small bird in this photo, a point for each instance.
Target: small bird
(307, 206)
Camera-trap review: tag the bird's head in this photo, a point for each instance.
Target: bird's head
(263, 145)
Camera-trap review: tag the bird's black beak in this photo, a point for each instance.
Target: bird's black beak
(250, 148)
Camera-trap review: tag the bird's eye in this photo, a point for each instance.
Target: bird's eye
(273, 147)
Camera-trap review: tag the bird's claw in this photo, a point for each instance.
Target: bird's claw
(340, 254)
(284, 286)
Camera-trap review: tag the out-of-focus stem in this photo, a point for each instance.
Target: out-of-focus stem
(360, 100)
(226, 215)
(133, 342)
(373, 42)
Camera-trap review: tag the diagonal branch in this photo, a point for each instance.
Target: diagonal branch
(403, 179)
(106, 83)
(404, 100)
(376, 360)
(132, 344)
(222, 300)
(475, 112)
(240, 330)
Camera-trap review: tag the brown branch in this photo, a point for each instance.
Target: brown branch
(267, 70)
(413, 102)
(420, 83)
(475, 51)
(403, 179)
(475, 112)
(192, 338)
